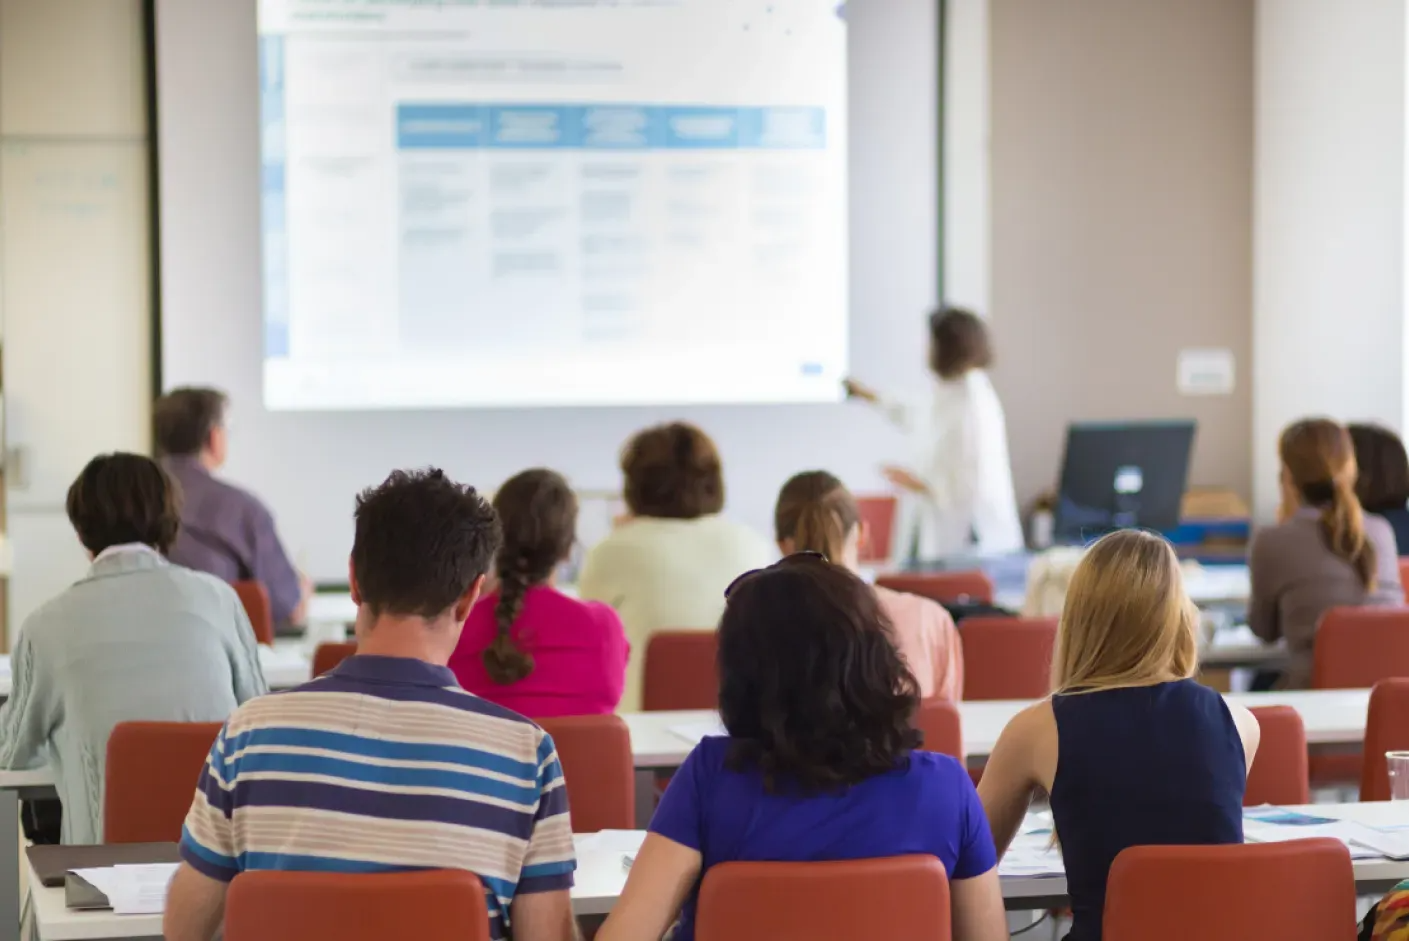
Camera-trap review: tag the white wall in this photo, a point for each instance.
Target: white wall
(967, 197)
(74, 266)
(1329, 196)
(309, 466)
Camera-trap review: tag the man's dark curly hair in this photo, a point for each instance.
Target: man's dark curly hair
(811, 687)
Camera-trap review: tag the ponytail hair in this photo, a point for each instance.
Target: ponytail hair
(538, 512)
(1319, 459)
(817, 513)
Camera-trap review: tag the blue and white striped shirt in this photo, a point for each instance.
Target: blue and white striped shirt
(384, 764)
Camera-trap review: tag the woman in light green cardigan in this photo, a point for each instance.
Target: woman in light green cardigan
(137, 639)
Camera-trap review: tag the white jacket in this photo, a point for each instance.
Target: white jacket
(961, 452)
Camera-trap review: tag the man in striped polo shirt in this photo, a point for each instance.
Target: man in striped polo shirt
(385, 763)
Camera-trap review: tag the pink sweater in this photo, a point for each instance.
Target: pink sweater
(929, 642)
(578, 647)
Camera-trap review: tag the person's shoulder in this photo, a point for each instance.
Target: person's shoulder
(1379, 530)
(203, 584)
(935, 769)
(710, 755)
(235, 495)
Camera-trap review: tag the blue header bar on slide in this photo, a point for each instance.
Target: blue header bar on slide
(608, 127)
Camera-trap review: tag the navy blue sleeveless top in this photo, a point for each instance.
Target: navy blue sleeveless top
(1141, 766)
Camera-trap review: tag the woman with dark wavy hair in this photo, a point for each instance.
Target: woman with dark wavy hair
(527, 646)
(819, 763)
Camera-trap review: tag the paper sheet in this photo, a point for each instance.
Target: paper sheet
(692, 732)
(610, 841)
(132, 889)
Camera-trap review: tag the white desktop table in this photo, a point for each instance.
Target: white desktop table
(601, 876)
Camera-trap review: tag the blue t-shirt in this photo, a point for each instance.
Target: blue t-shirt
(928, 808)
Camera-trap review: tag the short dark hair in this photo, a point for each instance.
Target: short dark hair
(422, 539)
(672, 472)
(538, 515)
(958, 342)
(183, 419)
(1383, 481)
(124, 498)
(811, 687)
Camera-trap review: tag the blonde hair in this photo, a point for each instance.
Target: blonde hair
(817, 513)
(1127, 620)
(1319, 457)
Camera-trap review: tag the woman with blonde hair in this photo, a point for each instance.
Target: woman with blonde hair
(1147, 755)
(1324, 552)
(816, 513)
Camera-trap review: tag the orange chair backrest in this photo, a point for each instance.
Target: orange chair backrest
(255, 597)
(151, 774)
(972, 585)
(437, 905)
(939, 722)
(1007, 658)
(1404, 575)
(1303, 890)
(878, 513)
(680, 671)
(327, 656)
(595, 752)
(1386, 729)
(901, 897)
(1279, 773)
(1358, 647)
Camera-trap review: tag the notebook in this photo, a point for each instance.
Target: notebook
(52, 863)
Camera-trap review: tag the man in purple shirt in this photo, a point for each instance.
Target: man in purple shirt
(225, 531)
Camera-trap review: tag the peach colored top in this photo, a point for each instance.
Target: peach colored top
(929, 642)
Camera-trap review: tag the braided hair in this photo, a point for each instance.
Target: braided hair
(538, 512)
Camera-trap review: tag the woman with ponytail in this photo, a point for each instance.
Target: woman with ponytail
(527, 646)
(816, 513)
(1325, 551)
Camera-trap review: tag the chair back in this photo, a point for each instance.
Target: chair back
(595, 752)
(1279, 773)
(255, 597)
(901, 897)
(328, 655)
(680, 671)
(1386, 729)
(1358, 647)
(1303, 890)
(436, 905)
(1404, 575)
(938, 721)
(878, 513)
(973, 585)
(1007, 658)
(152, 770)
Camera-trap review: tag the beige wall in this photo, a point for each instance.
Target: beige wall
(1122, 148)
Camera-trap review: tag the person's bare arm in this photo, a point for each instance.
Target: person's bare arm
(976, 908)
(543, 916)
(661, 877)
(195, 906)
(1249, 730)
(1023, 761)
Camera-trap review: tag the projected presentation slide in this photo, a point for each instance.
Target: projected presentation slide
(495, 203)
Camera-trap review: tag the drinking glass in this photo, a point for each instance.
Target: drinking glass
(1398, 763)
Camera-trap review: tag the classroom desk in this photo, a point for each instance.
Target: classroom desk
(601, 878)
(1208, 586)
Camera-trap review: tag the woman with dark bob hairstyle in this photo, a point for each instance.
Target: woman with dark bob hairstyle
(136, 639)
(818, 764)
(665, 565)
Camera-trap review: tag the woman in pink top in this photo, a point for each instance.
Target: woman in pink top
(816, 513)
(527, 646)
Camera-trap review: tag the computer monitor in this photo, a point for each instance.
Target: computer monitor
(1117, 476)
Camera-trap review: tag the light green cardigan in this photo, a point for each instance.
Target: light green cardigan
(137, 639)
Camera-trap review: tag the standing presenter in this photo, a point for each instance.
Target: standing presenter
(958, 496)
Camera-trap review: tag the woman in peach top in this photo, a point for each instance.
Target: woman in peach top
(816, 513)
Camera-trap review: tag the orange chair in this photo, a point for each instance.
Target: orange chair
(878, 515)
(438, 905)
(901, 897)
(1279, 770)
(1355, 649)
(1386, 729)
(152, 769)
(327, 656)
(1302, 890)
(595, 752)
(942, 586)
(1007, 658)
(255, 597)
(1404, 575)
(938, 721)
(680, 671)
